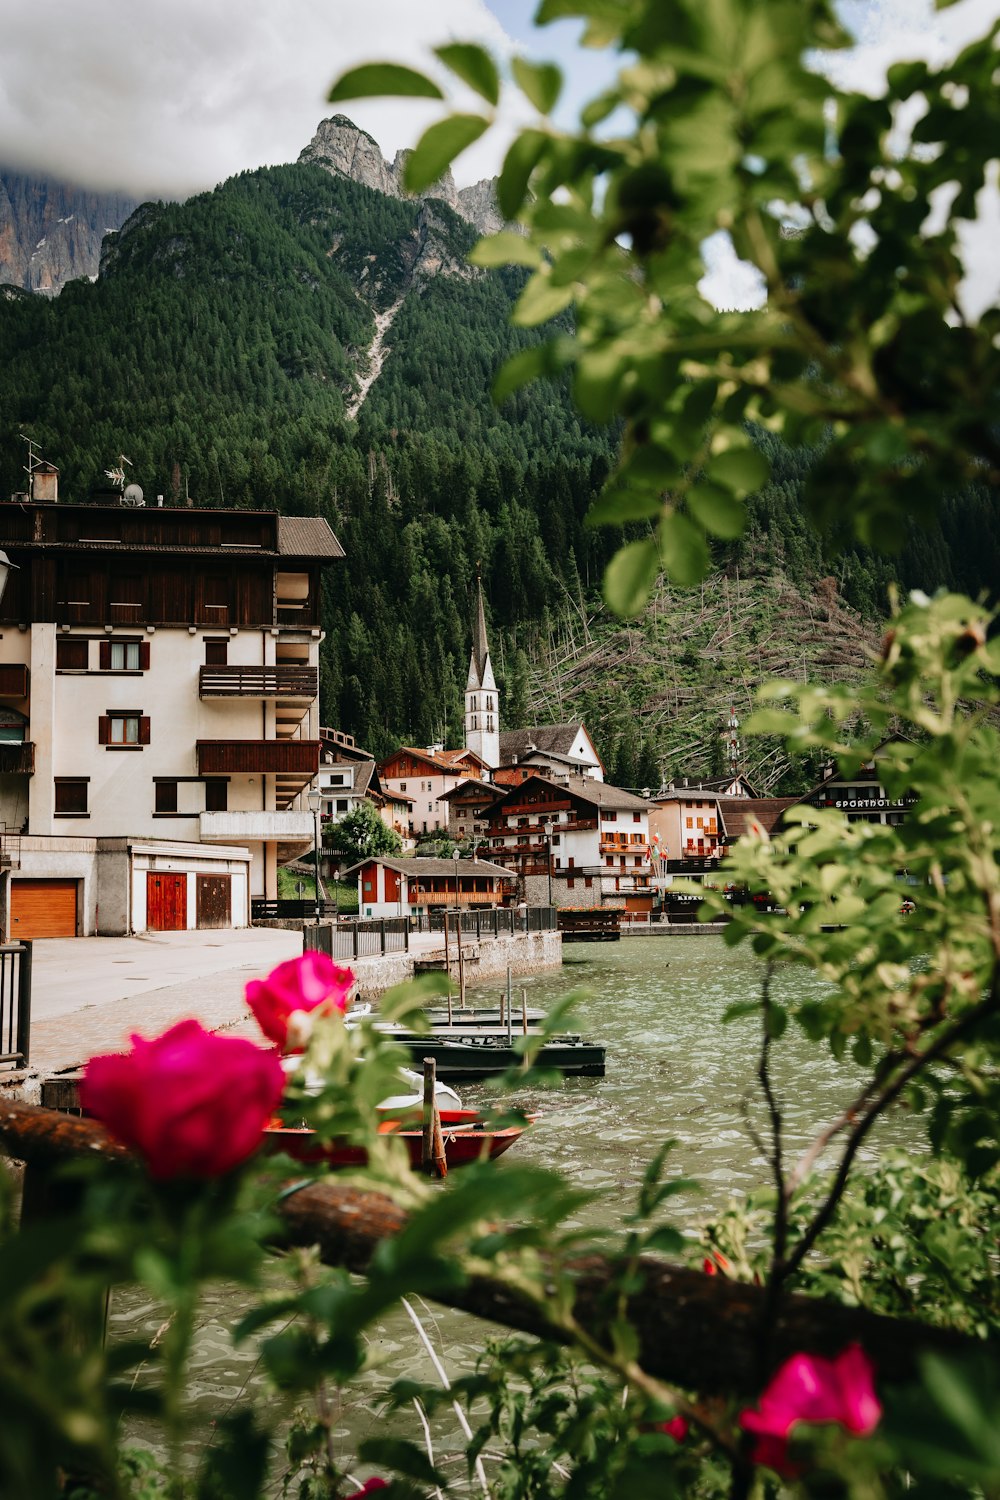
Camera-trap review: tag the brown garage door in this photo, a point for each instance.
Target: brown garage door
(214, 898)
(43, 908)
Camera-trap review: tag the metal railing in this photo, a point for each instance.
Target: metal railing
(495, 921)
(293, 911)
(15, 1004)
(358, 939)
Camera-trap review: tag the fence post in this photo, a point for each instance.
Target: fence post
(354, 936)
(479, 928)
(24, 1002)
(382, 928)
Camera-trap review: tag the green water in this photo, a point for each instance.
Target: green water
(673, 1071)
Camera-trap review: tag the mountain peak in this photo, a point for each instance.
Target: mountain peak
(343, 148)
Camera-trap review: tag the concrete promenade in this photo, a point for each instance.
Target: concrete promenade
(90, 994)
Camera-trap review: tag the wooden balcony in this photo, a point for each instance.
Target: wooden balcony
(17, 759)
(289, 680)
(13, 680)
(292, 763)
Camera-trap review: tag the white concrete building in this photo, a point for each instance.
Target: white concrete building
(158, 712)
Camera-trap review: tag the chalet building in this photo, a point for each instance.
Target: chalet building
(686, 829)
(574, 842)
(158, 710)
(469, 807)
(861, 797)
(406, 887)
(426, 775)
(553, 750)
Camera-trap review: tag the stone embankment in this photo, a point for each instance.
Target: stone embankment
(524, 953)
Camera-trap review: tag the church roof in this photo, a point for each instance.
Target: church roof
(480, 669)
(552, 739)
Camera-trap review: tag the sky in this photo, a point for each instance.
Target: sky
(167, 99)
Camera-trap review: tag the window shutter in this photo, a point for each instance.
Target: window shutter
(105, 656)
(103, 726)
(144, 730)
(144, 656)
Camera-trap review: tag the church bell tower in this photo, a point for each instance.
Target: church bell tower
(482, 720)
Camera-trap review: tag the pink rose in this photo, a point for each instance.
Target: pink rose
(677, 1428)
(310, 983)
(369, 1488)
(191, 1103)
(809, 1388)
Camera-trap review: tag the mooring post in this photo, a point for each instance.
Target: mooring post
(461, 961)
(510, 1018)
(427, 1143)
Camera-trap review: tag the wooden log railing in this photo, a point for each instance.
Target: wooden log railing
(696, 1331)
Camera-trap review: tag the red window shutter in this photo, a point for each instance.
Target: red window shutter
(103, 726)
(144, 730)
(144, 656)
(104, 657)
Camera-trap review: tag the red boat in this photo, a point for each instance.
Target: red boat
(467, 1138)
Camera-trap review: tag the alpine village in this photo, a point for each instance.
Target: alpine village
(318, 720)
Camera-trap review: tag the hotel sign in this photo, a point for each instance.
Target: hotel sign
(869, 804)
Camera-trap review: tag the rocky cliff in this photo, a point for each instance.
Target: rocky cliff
(340, 147)
(51, 232)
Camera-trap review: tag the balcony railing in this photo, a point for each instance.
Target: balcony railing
(17, 759)
(289, 680)
(13, 680)
(298, 758)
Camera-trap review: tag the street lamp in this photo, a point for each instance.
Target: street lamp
(314, 799)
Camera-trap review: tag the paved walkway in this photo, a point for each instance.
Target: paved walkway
(90, 994)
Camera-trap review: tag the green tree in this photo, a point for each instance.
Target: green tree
(361, 834)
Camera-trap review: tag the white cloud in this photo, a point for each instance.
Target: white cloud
(170, 99)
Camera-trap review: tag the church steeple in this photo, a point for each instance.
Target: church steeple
(482, 721)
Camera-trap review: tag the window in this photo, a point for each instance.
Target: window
(72, 654)
(166, 796)
(402, 786)
(216, 796)
(588, 881)
(216, 653)
(341, 804)
(571, 883)
(123, 729)
(124, 656)
(636, 817)
(610, 817)
(71, 796)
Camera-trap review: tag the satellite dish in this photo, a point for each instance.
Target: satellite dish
(132, 495)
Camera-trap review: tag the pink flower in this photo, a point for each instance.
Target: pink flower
(191, 1103)
(677, 1428)
(369, 1488)
(809, 1388)
(310, 983)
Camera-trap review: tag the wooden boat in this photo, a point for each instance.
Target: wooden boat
(467, 1138)
(484, 1054)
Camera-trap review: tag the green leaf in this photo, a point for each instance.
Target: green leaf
(437, 149)
(630, 576)
(402, 1457)
(521, 160)
(742, 470)
(505, 249)
(598, 109)
(540, 301)
(377, 80)
(540, 82)
(685, 551)
(532, 364)
(474, 66)
(617, 505)
(717, 511)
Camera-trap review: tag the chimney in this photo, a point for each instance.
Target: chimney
(45, 482)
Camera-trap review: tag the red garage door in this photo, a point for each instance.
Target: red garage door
(42, 908)
(166, 902)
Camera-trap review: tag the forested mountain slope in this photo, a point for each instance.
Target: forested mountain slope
(223, 348)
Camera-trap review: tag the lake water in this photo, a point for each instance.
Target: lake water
(673, 1071)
